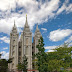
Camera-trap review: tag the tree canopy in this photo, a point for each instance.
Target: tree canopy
(4, 65)
(22, 66)
(41, 57)
(60, 59)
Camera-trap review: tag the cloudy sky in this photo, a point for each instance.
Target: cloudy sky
(54, 18)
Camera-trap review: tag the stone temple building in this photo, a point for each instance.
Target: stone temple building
(23, 46)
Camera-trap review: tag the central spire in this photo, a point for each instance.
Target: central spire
(37, 27)
(14, 23)
(26, 27)
(26, 15)
(26, 23)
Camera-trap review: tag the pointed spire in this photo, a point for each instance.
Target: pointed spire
(26, 27)
(26, 17)
(14, 29)
(37, 32)
(26, 23)
(37, 29)
(14, 23)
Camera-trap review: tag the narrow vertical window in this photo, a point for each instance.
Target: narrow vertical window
(19, 53)
(26, 41)
(13, 41)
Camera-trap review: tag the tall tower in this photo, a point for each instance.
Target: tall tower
(27, 44)
(36, 38)
(13, 48)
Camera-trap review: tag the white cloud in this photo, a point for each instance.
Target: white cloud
(5, 55)
(59, 34)
(7, 4)
(51, 47)
(67, 8)
(44, 29)
(31, 7)
(5, 48)
(37, 12)
(50, 50)
(70, 44)
(5, 39)
(69, 40)
(20, 30)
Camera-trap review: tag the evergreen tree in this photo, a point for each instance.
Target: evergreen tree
(23, 65)
(41, 57)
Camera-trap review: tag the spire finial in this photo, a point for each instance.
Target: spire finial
(26, 17)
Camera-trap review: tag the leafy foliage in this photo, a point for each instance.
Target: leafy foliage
(54, 65)
(42, 57)
(23, 65)
(61, 57)
(4, 64)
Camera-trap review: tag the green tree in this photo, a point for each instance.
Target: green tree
(54, 65)
(0, 55)
(41, 57)
(4, 64)
(64, 54)
(61, 57)
(23, 65)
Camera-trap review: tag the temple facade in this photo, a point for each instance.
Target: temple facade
(23, 46)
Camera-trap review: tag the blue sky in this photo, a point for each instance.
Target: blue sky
(54, 18)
